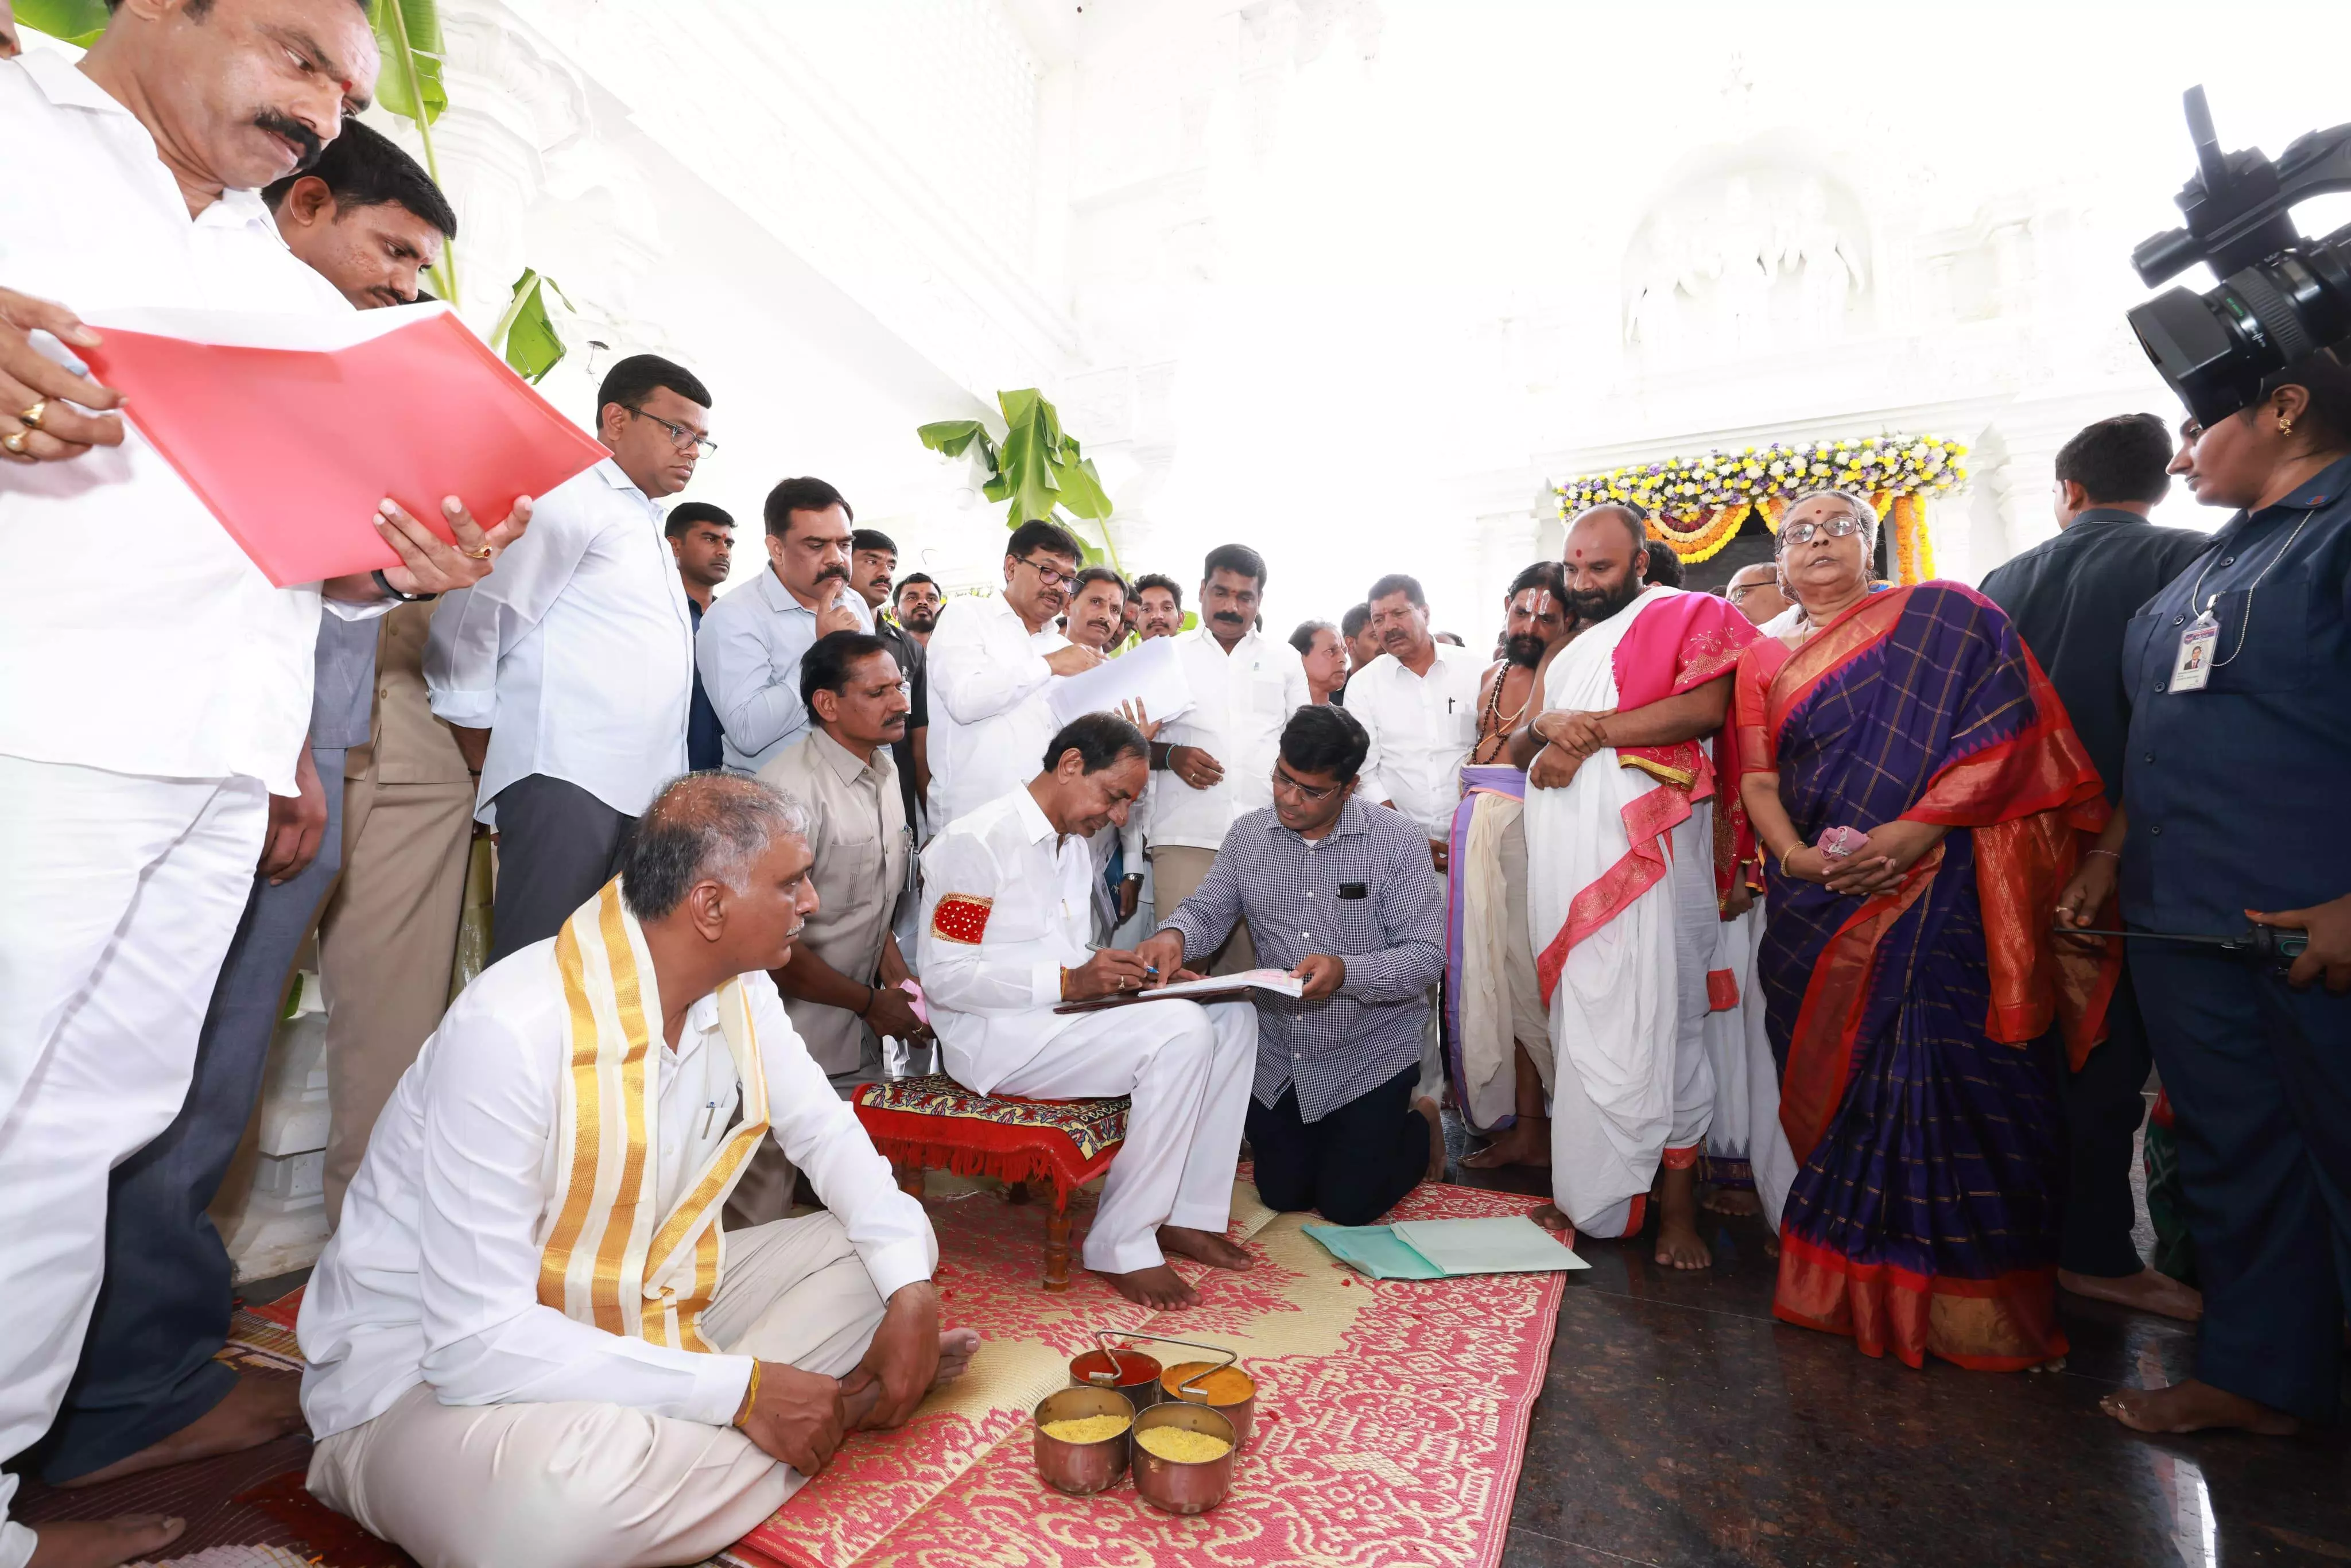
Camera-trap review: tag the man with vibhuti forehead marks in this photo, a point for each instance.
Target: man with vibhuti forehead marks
(529, 1343)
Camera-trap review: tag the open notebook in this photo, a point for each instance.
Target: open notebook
(1211, 988)
(1444, 1249)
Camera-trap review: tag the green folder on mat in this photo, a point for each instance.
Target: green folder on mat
(1445, 1249)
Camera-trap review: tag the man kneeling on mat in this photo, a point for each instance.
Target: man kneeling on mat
(530, 1342)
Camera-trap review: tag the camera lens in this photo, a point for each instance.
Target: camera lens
(2214, 349)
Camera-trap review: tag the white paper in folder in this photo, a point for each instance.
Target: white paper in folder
(1149, 674)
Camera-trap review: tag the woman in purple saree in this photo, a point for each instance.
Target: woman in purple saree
(1911, 981)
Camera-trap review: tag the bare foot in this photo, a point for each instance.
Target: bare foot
(1679, 1243)
(1157, 1286)
(1732, 1200)
(1435, 1118)
(1551, 1218)
(103, 1543)
(956, 1348)
(1525, 1142)
(2148, 1291)
(256, 1411)
(2193, 1406)
(1203, 1247)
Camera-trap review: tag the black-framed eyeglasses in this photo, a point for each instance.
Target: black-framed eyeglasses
(1842, 525)
(1050, 576)
(1282, 780)
(684, 440)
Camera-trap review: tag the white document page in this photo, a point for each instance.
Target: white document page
(1148, 673)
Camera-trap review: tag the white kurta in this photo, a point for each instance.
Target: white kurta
(989, 720)
(1615, 1012)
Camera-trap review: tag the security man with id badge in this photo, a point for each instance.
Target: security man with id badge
(2234, 786)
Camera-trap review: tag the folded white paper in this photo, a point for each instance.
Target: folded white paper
(1148, 673)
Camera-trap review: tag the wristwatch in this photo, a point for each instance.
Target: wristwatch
(391, 592)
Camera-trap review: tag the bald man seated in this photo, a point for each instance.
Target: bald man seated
(530, 1342)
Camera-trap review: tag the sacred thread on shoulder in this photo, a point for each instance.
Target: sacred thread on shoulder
(961, 917)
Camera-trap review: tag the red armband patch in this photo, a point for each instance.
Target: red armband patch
(961, 917)
(1721, 991)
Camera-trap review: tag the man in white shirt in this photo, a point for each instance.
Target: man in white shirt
(1005, 894)
(568, 678)
(1218, 755)
(1097, 619)
(749, 650)
(482, 1389)
(1418, 702)
(989, 662)
(145, 714)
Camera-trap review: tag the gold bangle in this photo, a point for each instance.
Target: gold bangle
(750, 1396)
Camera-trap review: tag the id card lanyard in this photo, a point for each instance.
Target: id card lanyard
(2193, 666)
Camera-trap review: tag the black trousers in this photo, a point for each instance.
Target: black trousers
(2105, 1103)
(556, 845)
(2259, 1078)
(147, 1367)
(1354, 1164)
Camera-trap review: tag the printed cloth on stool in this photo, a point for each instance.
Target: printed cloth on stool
(937, 1123)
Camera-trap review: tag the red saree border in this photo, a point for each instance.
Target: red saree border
(1829, 650)
(2006, 1323)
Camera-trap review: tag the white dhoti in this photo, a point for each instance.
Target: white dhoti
(1746, 1134)
(123, 893)
(1190, 1070)
(1625, 937)
(1494, 1002)
(580, 1484)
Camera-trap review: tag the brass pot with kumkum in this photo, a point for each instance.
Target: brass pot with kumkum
(1084, 1440)
(1183, 1457)
(1122, 1369)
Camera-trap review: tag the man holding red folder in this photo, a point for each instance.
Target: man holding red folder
(146, 715)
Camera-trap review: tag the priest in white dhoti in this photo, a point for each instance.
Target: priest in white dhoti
(1748, 1161)
(1621, 891)
(530, 1342)
(1006, 901)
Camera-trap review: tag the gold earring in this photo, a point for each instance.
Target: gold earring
(2285, 425)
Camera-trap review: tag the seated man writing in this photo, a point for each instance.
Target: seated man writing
(1338, 890)
(530, 1342)
(1008, 892)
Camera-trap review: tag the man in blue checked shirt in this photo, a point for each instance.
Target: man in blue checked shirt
(1337, 891)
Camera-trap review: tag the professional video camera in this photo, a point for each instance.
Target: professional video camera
(2280, 296)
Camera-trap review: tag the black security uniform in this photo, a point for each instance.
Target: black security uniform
(2237, 795)
(2070, 598)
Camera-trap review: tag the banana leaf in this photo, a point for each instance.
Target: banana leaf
(524, 334)
(76, 22)
(409, 34)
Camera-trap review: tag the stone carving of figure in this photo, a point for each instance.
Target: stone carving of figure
(1653, 319)
(1743, 243)
(1829, 272)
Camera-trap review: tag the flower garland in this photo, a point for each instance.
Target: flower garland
(1696, 504)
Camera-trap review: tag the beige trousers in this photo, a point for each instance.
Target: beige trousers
(385, 945)
(1176, 871)
(581, 1485)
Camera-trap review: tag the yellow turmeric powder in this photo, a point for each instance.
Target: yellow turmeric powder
(1182, 1445)
(1087, 1428)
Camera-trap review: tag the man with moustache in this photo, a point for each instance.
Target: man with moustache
(990, 659)
(873, 557)
(171, 701)
(702, 538)
(1159, 602)
(1629, 708)
(569, 676)
(1097, 619)
(148, 1392)
(917, 607)
(840, 987)
(1499, 1029)
(1003, 942)
(750, 656)
(1217, 756)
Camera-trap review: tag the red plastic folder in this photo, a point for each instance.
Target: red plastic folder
(293, 428)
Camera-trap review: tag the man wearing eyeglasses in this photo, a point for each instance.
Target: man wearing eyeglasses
(568, 674)
(1337, 892)
(990, 659)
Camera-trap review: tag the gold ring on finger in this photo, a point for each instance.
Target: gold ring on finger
(15, 441)
(482, 554)
(31, 417)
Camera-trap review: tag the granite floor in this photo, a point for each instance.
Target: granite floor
(1680, 1424)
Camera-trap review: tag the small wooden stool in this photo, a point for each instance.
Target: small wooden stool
(933, 1123)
